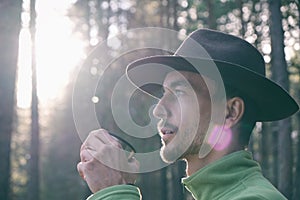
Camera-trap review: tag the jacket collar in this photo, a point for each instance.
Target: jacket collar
(219, 177)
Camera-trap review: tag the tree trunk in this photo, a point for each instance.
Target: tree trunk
(175, 15)
(243, 23)
(296, 194)
(265, 150)
(161, 13)
(274, 154)
(33, 192)
(212, 23)
(103, 19)
(280, 75)
(10, 12)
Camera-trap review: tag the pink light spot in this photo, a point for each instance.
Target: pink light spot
(220, 138)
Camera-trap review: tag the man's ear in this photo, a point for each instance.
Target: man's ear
(235, 109)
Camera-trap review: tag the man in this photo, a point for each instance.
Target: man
(218, 166)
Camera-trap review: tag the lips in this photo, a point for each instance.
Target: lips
(167, 133)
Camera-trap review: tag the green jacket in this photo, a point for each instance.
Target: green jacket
(234, 177)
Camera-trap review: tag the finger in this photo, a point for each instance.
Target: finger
(110, 156)
(106, 138)
(102, 146)
(100, 134)
(85, 155)
(132, 174)
(113, 140)
(84, 168)
(134, 165)
(130, 156)
(99, 138)
(80, 169)
(93, 142)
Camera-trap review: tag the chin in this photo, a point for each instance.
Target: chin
(165, 156)
(169, 154)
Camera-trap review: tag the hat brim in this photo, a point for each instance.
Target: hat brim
(273, 102)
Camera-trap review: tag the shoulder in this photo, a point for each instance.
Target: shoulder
(263, 190)
(259, 196)
(117, 192)
(255, 187)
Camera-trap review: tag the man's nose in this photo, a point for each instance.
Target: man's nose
(160, 111)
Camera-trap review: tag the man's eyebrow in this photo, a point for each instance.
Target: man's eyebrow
(178, 83)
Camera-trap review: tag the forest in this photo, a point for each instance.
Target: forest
(40, 142)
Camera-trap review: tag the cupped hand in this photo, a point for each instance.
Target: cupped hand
(104, 163)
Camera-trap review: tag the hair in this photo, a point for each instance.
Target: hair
(248, 120)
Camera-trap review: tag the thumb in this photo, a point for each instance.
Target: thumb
(134, 167)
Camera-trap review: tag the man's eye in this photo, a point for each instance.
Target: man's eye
(179, 92)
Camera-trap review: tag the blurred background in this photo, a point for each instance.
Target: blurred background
(43, 44)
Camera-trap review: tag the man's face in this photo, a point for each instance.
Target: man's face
(184, 113)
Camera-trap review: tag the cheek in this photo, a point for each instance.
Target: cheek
(189, 110)
(205, 113)
(193, 123)
(193, 112)
(188, 117)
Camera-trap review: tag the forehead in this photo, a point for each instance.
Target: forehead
(184, 78)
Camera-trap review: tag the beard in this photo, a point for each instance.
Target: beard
(184, 143)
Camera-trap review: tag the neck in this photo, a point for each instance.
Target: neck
(194, 163)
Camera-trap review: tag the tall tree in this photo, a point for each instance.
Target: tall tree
(296, 194)
(212, 22)
(240, 4)
(10, 18)
(33, 192)
(280, 75)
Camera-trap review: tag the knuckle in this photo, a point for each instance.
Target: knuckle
(93, 133)
(98, 131)
(104, 152)
(106, 149)
(101, 130)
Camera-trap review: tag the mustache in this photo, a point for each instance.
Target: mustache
(165, 124)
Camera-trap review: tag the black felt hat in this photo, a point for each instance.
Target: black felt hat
(237, 61)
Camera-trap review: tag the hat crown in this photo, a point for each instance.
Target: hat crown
(209, 44)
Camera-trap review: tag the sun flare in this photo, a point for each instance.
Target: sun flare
(58, 52)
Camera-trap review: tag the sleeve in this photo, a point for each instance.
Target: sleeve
(117, 192)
